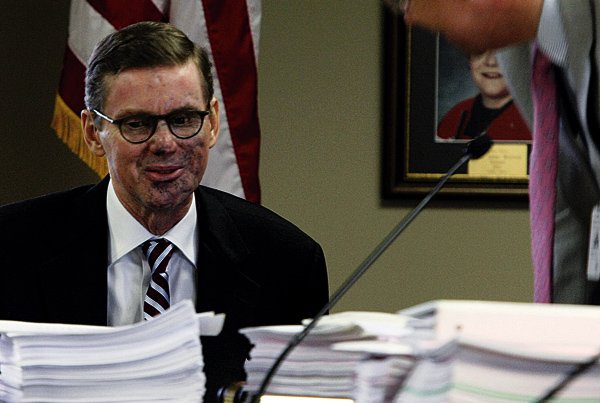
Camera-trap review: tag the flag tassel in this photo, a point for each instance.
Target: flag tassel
(68, 128)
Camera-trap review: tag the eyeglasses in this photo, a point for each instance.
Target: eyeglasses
(138, 129)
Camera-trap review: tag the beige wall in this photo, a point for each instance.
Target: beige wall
(320, 110)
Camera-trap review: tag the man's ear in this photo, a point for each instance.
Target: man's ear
(214, 121)
(90, 133)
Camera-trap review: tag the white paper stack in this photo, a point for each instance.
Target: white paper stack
(416, 368)
(442, 351)
(157, 360)
(486, 374)
(358, 355)
(519, 352)
(311, 369)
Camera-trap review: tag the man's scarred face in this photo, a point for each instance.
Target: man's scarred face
(163, 172)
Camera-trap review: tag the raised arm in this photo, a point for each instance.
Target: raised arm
(477, 25)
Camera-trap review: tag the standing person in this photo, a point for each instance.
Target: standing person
(492, 111)
(566, 33)
(80, 256)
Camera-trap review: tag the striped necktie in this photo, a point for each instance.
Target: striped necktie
(157, 299)
(542, 174)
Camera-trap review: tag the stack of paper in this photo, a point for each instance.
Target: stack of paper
(360, 355)
(157, 360)
(312, 368)
(484, 373)
(519, 352)
(417, 368)
(440, 351)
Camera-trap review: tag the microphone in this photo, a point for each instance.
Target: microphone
(476, 148)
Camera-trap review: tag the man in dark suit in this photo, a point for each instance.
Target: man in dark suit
(76, 256)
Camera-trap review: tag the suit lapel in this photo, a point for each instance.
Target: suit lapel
(580, 162)
(75, 276)
(578, 32)
(225, 278)
(516, 64)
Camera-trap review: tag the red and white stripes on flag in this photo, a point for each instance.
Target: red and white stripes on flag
(227, 29)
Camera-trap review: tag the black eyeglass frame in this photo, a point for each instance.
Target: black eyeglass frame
(155, 119)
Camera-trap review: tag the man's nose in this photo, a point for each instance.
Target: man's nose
(163, 138)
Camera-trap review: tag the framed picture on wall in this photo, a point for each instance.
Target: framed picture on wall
(435, 99)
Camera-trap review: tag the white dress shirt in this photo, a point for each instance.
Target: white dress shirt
(128, 271)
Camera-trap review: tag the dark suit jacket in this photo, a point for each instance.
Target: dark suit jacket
(253, 265)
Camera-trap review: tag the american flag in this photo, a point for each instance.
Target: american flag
(227, 29)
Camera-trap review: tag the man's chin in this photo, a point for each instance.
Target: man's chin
(169, 203)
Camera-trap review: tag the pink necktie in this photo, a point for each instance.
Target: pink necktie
(542, 174)
(158, 298)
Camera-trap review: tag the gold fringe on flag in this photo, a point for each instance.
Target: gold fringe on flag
(68, 128)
